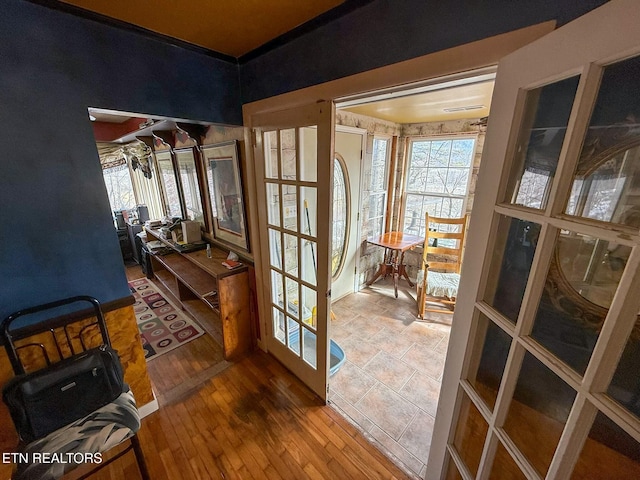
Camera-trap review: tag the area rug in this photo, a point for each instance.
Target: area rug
(162, 325)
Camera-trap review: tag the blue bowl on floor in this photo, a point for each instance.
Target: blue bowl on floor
(336, 354)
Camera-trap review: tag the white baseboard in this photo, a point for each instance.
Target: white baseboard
(150, 407)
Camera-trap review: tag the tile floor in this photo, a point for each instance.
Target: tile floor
(390, 382)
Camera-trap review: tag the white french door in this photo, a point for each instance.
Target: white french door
(547, 312)
(294, 164)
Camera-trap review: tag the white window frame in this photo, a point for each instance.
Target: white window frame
(464, 197)
(384, 192)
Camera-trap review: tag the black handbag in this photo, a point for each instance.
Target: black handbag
(63, 392)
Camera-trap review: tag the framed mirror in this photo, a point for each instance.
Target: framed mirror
(224, 181)
(186, 161)
(168, 184)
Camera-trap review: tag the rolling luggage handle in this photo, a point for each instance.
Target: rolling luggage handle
(10, 337)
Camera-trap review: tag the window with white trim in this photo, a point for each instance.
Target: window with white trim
(378, 185)
(438, 175)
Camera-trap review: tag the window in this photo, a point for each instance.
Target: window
(119, 187)
(378, 186)
(341, 205)
(437, 179)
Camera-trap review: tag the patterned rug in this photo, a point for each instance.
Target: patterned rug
(162, 325)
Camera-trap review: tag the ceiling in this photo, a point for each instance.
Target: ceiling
(231, 27)
(452, 103)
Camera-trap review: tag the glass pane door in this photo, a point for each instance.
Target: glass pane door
(549, 384)
(296, 224)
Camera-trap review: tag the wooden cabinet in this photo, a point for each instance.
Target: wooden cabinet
(217, 297)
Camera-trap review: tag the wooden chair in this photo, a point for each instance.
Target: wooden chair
(438, 280)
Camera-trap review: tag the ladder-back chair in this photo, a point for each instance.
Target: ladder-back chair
(441, 260)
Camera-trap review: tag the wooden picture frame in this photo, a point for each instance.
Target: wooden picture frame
(224, 182)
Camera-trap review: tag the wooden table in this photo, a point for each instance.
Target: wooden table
(395, 244)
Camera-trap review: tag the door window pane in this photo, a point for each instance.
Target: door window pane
(309, 353)
(544, 124)
(290, 207)
(490, 366)
(609, 452)
(308, 205)
(271, 154)
(288, 153)
(273, 203)
(504, 466)
(513, 254)
(625, 385)
(293, 301)
(538, 412)
(277, 290)
(278, 325)
(607, 178)
(583, 276)
(471, 432)
(308, 138)
(291, 254)
(275, 248)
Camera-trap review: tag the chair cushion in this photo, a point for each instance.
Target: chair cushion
(442, 284)
(96, 433)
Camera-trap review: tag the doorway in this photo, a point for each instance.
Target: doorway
(390, 382)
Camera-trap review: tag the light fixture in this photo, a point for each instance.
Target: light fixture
(463, 109)
(92, 118)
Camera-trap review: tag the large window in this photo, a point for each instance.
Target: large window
(119, 187)
(438, 177)
(378, 186)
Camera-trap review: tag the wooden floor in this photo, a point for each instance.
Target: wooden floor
(247, 420)
(254, 420)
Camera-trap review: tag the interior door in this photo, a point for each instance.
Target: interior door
(294, 162)
(547, 315)
(346, 207)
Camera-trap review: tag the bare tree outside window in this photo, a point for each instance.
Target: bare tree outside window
(437, 179)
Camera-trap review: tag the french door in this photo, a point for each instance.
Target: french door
(547, 312)
(294, 163)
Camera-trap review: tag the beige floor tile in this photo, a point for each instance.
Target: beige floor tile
(387, 410)
(420, 332)
(425, 361)
(351, 382)
(364, 326)
(389, 370)
(352, 412)
(417, 437)
(423, 392)
(393, 344)
(359, 351)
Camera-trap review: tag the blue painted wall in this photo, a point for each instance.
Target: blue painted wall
(56, 234)
(389, 31)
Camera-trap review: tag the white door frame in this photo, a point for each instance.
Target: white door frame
(450, 62)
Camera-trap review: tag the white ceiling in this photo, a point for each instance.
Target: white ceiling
(451, 103)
